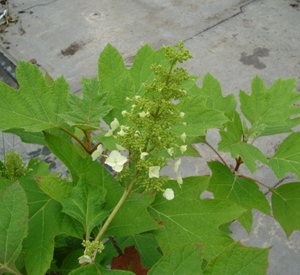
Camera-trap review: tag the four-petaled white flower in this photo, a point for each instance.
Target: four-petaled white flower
(120, 147)
(154, 171)
(143, 155)
(114, 124)
(176, 165)
(182, 114)
(98, 152)
(183, 148)
(85, 259)
(183, 137)
(170, 151)
(169, 194)
(116, 161)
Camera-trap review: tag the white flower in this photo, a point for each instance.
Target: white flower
(154, 171)
(179, 179)
(114, 124)
(85, 259)
(170, 151)
(109, 133)
(176, 165)
(98, 152)
(184, 123)
(142, 114)
(143, 155)
(183, 137)
(121, 133)
(124, 113)
(182, 114)
(168, 194)
(120, 147)
(137, 133)
(116, 161)
(183, 148)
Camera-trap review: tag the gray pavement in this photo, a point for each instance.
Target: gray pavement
(232, 39)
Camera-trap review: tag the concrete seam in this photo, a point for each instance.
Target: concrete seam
(222, 21)
(36, 5)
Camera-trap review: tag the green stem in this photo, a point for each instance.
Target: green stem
(77, 139)
(257, 181)
(126, 193)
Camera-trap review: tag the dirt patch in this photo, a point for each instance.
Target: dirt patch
(72, 49)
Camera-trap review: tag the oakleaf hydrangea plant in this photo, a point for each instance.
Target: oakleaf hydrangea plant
(118, 207)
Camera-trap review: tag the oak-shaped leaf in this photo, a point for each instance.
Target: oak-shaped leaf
(244, 192)
(212, 91)
(232, 141)
(45, 218)
(13, 225)
(130, 260)
(187, 259)
(86, 112)
(116, 81)
(287, 156)
(86, 204)
(286, 206)
(36, 106)
(188, 219)
(271, 109)
(238, 259)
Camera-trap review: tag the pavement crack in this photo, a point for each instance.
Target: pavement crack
(222, 21)
(37, 5)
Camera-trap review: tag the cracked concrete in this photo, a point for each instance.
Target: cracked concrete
(232, 39)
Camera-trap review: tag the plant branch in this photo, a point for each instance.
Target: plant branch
(76, 138)
(216, 152)
(257, 181)
(126, 193)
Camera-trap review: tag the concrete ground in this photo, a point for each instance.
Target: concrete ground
(232, 39)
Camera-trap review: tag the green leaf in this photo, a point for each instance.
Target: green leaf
(45, 218)
(86, 204)
(141, 71)
(93, 269)
(78, 165)
(211, 89)
(238, 259)
(287, 156)
(13, 226)
(145, 244)
(188, 219)
(286, 206)
(181, 260)
(87, 112)
(271, 108)
(198, 117)
(35, 106)
(244, 192)
(232, 140)
(116, 81)
(133, 217)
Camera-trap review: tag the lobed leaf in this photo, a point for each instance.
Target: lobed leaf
(116, 81)
(211, 89)
(87, 112)
(13, 226)
(187, 219)
(232, 141)
(238, 259)
(85, 203)
(36, 106)
(286, 206)
(181, 260)
(244, 192)
(287, 156)
(273, 109)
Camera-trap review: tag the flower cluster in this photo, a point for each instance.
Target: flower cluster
(90, 249)
(147, 134)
